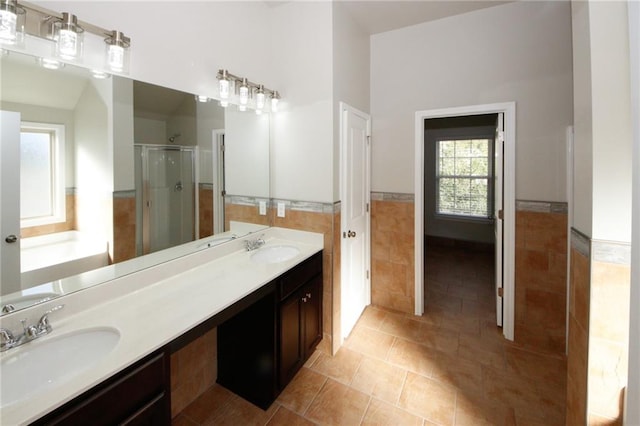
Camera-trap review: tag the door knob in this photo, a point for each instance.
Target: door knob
(351, 234)
(11, 239)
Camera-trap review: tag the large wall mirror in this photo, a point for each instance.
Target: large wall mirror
(103, 177)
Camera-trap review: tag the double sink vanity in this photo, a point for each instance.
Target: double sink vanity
(106, 359)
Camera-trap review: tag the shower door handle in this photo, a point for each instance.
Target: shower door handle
(178, 186)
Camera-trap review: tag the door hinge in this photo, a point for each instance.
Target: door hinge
(368, 140)
(500, 214)
(222, 147)
(500, 291)
(367, 207)
(367, 274)
(224, 193)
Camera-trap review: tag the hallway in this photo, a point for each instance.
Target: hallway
(450, 366)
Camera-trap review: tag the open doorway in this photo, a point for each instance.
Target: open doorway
(483, 130)
(462, 196)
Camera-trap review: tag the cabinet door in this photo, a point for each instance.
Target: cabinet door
(312, 315)
(291, 348)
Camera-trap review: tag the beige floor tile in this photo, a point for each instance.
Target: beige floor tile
(412, 356)
(210, 404)
(241, 412)
(380, 413)
(370, 342)
(338, 404)
(399, 325)
(476, 410)
(372, 317)
(379, 379)
(429, 399)
(182, 420)
(299, 393)
(284, 417)
(341, 367)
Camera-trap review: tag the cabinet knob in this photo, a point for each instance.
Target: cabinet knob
(304, 300)
(309, 295)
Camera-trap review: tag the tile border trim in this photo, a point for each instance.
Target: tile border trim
(581, 243)
(207, 186)
(244, 200)
(130, 193)
(393, 196)
(611, 252)
(542, 206)
(305, 206)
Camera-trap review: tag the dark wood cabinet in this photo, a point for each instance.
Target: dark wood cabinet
(139, 395)
(261, 349)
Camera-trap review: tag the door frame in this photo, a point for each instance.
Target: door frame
(509, 202)
(344, 107)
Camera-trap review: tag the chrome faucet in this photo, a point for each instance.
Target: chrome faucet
(29, 332)
(254, 244)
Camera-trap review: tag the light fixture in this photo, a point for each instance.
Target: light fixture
(12, 18)
(201, 98)
(50, 64)
(68, 37)
(223, 87)
(243, 93)
(245, 89)
(260, 99)
(99, 74)
(275, 99)
(117, 52)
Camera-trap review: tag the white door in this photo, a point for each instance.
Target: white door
(10, 200)
(498, 212)
(355, 217)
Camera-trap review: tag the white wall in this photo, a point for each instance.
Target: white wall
(582, 122)
(246, 147)
(611, 121)
(518, 52)
(302, 145)
(351, 76)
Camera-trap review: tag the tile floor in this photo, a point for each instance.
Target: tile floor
(449, 367)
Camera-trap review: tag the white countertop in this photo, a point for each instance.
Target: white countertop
(151, 308)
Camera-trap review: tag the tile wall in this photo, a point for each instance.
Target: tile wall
(205, 210)
(392, 251)
(608, 331)
(244, 209)
(124, 225)
(578, 347)
(194, 369)
(541, 275)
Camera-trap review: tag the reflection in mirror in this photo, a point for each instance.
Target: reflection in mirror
(104, 171)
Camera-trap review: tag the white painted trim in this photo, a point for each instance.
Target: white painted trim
(509, 110)
(570, 166)
(632, 395)
(344, 107)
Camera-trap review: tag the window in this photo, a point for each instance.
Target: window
(42, 193)
(463, 177)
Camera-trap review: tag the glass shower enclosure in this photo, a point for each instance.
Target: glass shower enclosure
(166, 196)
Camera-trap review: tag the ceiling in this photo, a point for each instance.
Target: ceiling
(377, 16)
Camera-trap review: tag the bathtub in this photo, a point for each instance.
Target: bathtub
(55, 256)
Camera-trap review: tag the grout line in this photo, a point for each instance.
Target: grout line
(304, 412)
(364, 413)
(274, 412)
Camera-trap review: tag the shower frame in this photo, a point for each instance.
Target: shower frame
(144, 203)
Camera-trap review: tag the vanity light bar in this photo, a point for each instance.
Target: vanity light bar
(246, 90)
(65, 30)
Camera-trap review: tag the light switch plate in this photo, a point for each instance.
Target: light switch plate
(280, 209)
(263, 208)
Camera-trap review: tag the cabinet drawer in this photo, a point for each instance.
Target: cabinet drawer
(299, 275)
(120, 399)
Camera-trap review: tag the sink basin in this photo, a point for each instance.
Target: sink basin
(274, 254)
(39, 366)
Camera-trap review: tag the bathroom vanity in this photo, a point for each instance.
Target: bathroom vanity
(268, 314)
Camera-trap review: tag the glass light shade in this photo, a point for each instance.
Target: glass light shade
(50, 64)
(260, 99)
(68, 37)
(244, 94)
(223, 88)
(12, 19)
(274, 104)
(224, 104)
(117, 52)
(201, 98)
(99, 74)
(242, 108)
